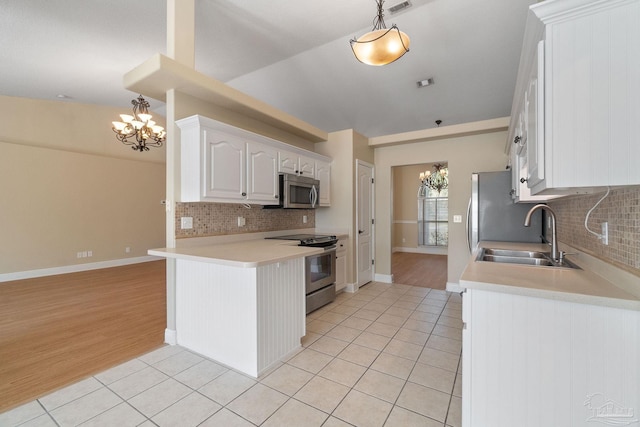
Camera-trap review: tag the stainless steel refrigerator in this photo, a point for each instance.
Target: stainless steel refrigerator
(493, 215)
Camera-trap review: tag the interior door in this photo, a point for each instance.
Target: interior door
(364, 222)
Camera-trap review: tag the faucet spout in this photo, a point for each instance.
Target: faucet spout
(554, 235)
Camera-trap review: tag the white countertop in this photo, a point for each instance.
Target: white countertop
(573, 285)
(244, 254)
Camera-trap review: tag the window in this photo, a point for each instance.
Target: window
(433, 217)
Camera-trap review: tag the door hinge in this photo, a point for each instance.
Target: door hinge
(373, 262)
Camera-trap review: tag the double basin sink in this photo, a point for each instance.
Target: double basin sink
(522, 257)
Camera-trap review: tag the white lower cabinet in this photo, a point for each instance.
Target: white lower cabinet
(341, 264)
(533, 362)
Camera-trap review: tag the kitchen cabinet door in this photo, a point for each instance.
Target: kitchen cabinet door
(323, 174)
(306, 166)
(225, 166)
(262, 172)
(288, 162)
(534, 112)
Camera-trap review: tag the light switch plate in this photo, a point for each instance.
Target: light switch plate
(186, 222)
(457, 218)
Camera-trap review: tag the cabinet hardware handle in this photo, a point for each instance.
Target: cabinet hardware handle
(517, 139)
(276, 196)
(244, 194)
(360, 231)
(523, 180)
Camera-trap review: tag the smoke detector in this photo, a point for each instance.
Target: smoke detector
(425, 82)
(399, 7)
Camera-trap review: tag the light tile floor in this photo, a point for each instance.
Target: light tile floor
(388, 355)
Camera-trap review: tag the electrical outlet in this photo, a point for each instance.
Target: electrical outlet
(241, 221)
(186, 222)
(605, 233)
(84, 254)
(304, 219)
(127, 249)
(89, 253)
(79, 255)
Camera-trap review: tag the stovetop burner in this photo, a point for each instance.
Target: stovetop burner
(318, 240)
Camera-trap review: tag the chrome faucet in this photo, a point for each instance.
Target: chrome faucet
(554, 235)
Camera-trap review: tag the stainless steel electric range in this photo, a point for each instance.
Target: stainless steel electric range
(320, 269)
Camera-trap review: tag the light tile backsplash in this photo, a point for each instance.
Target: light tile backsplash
(621, 209)
(215, 219)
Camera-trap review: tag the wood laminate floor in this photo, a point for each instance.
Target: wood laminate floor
(427, 271)
(59, 329)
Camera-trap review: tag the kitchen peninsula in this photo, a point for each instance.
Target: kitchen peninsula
(241, 304)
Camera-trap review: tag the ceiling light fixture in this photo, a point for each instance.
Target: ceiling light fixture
(437, 181)
(139, 127)
(380, 46)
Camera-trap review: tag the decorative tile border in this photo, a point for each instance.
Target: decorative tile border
(621, 209)
(215, 219)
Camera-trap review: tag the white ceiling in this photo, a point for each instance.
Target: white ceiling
(293, 54)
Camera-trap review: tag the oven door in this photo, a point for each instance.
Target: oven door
(320, 270)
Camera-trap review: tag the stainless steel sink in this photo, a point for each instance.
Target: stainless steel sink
(511, 253)
(522, 257)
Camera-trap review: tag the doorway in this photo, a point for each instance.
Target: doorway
(419, 232)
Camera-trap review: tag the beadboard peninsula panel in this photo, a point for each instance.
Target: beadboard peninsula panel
(245, 318)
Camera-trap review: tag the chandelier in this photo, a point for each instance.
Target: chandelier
(138, 130)
(380, 46)
(437, 181)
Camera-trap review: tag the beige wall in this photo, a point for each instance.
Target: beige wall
(68, 186)
(344, 147)
(476, 153)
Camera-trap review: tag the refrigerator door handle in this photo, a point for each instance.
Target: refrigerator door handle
(467, 227)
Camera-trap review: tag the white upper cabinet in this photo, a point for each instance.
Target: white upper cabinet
(580, 64)
(297, 164)
(222, 163)
(262, 172)
(224, 171)
(323, 174)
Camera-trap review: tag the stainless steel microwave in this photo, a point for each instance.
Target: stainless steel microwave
(297, 192)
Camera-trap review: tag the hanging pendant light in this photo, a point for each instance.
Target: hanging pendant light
(380, 46)
(138, 130)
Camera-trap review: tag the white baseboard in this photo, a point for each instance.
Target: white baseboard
(439, 250)
(384, 278)
(170, 336)
(351, 288)
(29, 274)
(454, 287)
